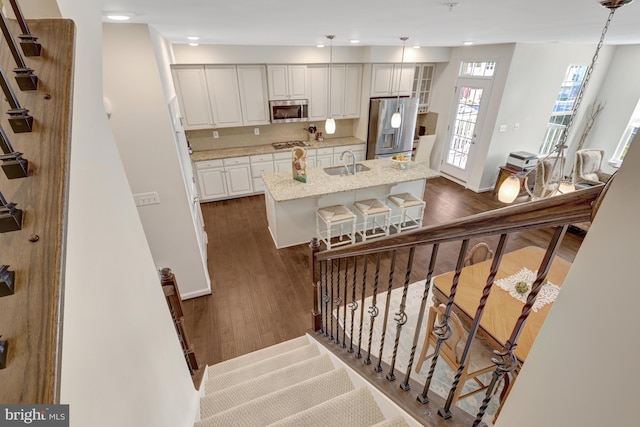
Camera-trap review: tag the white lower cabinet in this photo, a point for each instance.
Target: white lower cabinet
(282, 161)
(324, 157)
(260, 164)
(221, 179)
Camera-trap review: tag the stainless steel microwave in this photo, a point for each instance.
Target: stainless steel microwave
(295, 110)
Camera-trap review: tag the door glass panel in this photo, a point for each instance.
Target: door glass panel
(463, 135)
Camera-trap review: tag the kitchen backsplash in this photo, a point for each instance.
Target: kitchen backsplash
(201, 140)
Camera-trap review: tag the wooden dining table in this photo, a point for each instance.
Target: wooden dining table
(501, 310)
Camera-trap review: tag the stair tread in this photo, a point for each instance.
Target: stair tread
(261, 367)
(249, 358)
(284, 402)
(238, 394)
(354, 409)
(396, 421)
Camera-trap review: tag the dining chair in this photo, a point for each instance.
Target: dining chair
(587, 168)
(478, 253)
(479, 362)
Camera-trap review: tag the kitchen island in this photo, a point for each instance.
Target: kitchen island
(291, 205)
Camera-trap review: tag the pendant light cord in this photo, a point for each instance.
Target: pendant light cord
(330, 66)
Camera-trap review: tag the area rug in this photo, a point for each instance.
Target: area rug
(443, 375)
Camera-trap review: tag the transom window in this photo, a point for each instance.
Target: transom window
(477, 69)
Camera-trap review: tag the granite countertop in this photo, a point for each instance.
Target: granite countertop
(223, 153)
(283, 187)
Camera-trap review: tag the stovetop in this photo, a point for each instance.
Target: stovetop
(289, 144)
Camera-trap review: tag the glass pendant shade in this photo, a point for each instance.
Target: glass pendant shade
(396, 120)
(330, 126)
(509, 189)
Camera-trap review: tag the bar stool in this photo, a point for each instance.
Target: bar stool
(405, 201)
(374, 209)
(333, 216)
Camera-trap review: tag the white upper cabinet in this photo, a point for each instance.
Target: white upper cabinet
(193, 97)
(317, 90)
(422, 82)
(385, 79)
(287, 82)
(346, 83)
(252, 80)
(224, 95)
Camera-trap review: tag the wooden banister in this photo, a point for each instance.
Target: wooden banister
(564, 209)
(31, 317)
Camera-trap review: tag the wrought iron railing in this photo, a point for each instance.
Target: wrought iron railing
(348, 278)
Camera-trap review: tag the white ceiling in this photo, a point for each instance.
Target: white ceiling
(382, 22)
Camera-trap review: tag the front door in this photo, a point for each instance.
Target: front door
(468, 116)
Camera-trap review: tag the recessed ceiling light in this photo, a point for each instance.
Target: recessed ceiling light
(119, 16)
(319, 45)
(193, 44)
(354, 41)
(193, 38)
(416, 47)
(467, 43)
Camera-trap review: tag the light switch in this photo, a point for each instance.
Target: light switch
(503, 128)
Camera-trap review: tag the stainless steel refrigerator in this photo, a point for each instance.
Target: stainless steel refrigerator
(382, 139)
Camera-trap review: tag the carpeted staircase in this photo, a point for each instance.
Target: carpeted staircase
(288, 384)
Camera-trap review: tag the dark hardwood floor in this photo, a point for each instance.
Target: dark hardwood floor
(262, 296)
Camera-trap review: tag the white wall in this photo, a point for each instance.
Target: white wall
(620, 92)
(141, 124)
(583, 367)
(121, 360)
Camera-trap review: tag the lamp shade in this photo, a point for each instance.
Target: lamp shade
(509, 189)
(396, 120)
(330, 126)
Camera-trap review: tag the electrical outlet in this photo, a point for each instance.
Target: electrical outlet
(216, 134)
(516, 126)
(256, 131)
(144, 199)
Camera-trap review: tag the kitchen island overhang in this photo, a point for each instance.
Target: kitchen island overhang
(291, 205)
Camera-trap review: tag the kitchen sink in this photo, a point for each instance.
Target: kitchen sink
(342, 170)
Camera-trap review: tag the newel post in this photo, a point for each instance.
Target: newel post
(316, 315)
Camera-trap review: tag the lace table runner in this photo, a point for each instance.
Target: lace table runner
(547, 294)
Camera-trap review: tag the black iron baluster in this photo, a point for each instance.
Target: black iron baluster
(13, 164)
(19, 118)
(373, 310)
(354, 304)
(10, 217)
(4, 350)
(331, 300)
(24, 75)
(364, 288)
(401, 316)
(324, 295)
(378, 368)
(30, 47)
(443, 330)
(427, 285)
(445, 411)
(7, 281)
(508, 361)
(344, 313)
(337, 301)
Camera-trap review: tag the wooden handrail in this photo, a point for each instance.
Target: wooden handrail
(568, 208)
(31, 317)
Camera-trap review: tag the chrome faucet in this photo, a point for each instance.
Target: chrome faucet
(353, 158)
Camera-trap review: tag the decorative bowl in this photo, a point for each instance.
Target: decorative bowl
(402, 163)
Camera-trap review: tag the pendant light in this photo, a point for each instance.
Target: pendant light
(330, 124)
(507, 192)
(396, 119)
